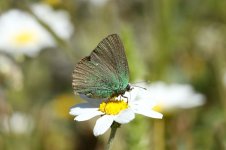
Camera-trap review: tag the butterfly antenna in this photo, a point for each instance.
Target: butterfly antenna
(142, 82)
(140, 87)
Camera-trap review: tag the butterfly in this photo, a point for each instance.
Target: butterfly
(105, 72)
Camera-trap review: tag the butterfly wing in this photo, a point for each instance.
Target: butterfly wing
(103, 73)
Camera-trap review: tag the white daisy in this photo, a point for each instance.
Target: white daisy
(116, 109)
(98, 2)
(20, 33)
(209, 39)
(17, 123)
(174, 96)
(58, 21)
(7, 66)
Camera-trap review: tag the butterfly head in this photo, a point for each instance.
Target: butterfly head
(129, 88)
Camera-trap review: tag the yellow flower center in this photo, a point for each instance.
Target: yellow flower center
(24, 37)
(113, 107)
(157, 108)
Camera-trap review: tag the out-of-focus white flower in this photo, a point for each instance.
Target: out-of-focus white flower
(209, 39)
(11, 73)
(171, 97)
(58, 21)
(17, 123)
(116, 109)
(98, 2)
(224, 78)
(21, 34)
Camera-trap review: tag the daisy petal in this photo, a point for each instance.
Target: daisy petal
(125, 116)
(103, 124)
(82, 108)
(88, 115)
(149, 113)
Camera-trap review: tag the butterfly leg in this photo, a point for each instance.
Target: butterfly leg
(127, 99)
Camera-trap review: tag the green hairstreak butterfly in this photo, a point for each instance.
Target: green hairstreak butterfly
(105, 72)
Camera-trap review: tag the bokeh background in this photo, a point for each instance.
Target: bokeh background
(176, 41)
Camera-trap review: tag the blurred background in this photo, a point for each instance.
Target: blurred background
(175, 42)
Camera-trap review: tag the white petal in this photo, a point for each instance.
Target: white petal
(103, 124)
(87, 116)
(125, 116)
(82, 108)
(143, 104)
(149, 113)
(140, 97)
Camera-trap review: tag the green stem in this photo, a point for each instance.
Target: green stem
(114, 128)
(159, 134)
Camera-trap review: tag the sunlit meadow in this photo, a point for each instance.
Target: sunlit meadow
(175, 49)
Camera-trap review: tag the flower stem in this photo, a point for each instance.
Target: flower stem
(159, 134)
(114, 128)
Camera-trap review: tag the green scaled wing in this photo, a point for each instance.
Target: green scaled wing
(104, 72)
